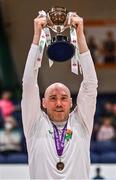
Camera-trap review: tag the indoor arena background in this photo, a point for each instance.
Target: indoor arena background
(16, 33)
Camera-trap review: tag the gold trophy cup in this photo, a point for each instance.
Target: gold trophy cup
(60, 48)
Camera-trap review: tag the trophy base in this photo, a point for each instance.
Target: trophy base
(60, 49)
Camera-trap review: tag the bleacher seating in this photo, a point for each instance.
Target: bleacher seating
(103, 152)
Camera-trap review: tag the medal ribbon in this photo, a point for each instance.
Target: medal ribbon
(59, 142)
(42, 40)
(48, 42)
(45, 39)
(73, 35)
(41, 46)
(75, 58)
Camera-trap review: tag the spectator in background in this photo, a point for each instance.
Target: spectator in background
(114, 109)
(95, 131)
(98, 174)
(106, 131)
(93, 48)
(109, 48)
(114, 114)
(108, 109)
(10, 137)
(7, 108)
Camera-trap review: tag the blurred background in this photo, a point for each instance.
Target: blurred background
(16, 34)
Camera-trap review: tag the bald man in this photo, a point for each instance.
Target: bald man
(58, 141)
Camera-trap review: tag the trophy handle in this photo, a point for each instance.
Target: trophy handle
(49, 22)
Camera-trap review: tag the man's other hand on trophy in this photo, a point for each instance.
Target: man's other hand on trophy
(77, 22)
(39, 23)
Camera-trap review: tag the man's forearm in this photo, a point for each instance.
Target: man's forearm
(36, 37)
(82, 44)
(77, 21)
(89, 73)
(31, 68)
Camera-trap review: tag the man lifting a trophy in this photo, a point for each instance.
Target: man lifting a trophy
(58, 141)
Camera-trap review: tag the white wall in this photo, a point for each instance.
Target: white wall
(22, 171)
(14, 171)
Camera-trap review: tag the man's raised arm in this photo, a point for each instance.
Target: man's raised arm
(30, 98)
(86, 100)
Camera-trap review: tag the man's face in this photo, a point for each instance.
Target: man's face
(57, 103)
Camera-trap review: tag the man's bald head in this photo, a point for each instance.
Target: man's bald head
(57, 101)
(57, 86)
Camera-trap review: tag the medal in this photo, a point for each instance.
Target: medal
(59, 145)
(60, 166)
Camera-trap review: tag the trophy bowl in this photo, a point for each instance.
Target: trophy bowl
(57, 15)
(60, 48)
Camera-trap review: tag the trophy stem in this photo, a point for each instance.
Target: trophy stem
(58, 30)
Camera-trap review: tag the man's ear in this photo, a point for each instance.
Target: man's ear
(71, 103)
(43, 103)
